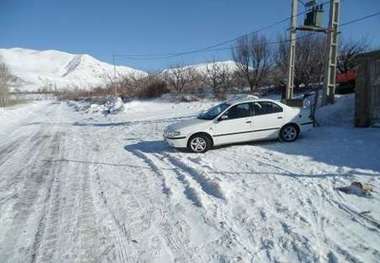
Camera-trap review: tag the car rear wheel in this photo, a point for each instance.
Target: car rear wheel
(199, 143)
(289, 133)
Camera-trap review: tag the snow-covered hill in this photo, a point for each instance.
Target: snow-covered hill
(203, 68)
(228, 65)
(34, 70)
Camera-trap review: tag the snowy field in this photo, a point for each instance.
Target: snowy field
(84, 187)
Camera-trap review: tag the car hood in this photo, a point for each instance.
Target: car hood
(187, 124)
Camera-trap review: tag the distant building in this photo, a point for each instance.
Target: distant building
(367, 105)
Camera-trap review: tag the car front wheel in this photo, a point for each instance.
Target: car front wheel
(199, 143)
(289, 133)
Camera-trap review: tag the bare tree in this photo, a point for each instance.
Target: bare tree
(310, 54)
(253, 57)
(219, 77)
(348, 52)
(180, 78)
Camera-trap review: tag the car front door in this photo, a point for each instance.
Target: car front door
(267, 120)
(235, 125)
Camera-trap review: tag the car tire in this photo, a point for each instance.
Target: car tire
(289, 133)
(199, 143)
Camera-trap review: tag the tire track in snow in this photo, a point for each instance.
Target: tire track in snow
(26, 151)
(47, 231)
(138, 217)
(221, 221)
(87, 225)
(156, 170)
(134, 218)
(93, 245)
(7, 151)
(175, 235)
(117, 228)
(190, 192)
(152, 161)
(35, 179)
(208, 186)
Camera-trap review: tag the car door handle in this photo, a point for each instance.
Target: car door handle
(279, 117)
(248, 122)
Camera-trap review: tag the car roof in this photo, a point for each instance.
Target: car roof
(249, 98)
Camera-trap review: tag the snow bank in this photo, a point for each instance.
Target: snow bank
(112, 105)
(14, 115)
(339, 114)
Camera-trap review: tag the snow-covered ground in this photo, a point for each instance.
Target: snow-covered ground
(85, 187)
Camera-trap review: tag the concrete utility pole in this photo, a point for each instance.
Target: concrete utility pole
(114, 73)
(292, 50)
(331, 58)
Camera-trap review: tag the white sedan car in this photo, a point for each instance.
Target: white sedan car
(239, 120)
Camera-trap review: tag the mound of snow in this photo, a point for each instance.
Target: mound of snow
(51, 69)
(115, 105)
(341, 113)
(112, 105)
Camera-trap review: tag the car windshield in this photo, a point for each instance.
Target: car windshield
(214, 111)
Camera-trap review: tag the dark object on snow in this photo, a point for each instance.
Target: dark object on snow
(357, 188)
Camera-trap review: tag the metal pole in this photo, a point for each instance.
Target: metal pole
(331, 58)
(114, 74)
(292, 50)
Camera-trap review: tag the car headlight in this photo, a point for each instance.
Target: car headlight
(172, 133)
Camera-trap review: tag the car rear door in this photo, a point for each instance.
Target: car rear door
(235, 125)
(267, 120)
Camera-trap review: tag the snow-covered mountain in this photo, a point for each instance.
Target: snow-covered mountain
(203, 68)
(34, 70)
(228, 65)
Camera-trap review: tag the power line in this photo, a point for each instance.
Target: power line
(212, 47)
(173, 55)
(360, 19)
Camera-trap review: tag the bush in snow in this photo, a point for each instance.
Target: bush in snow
(152, 87)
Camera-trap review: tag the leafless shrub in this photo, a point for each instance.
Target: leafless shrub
(152, 86)
(253, 57)
(149, 86)
(76, 93)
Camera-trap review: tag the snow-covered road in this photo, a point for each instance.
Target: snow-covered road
(78, 187)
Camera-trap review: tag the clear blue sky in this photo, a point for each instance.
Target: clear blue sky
(101, 27)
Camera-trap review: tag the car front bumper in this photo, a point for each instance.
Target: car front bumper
(176, 142)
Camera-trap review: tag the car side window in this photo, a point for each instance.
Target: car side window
(266, 107)
(242, 110)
